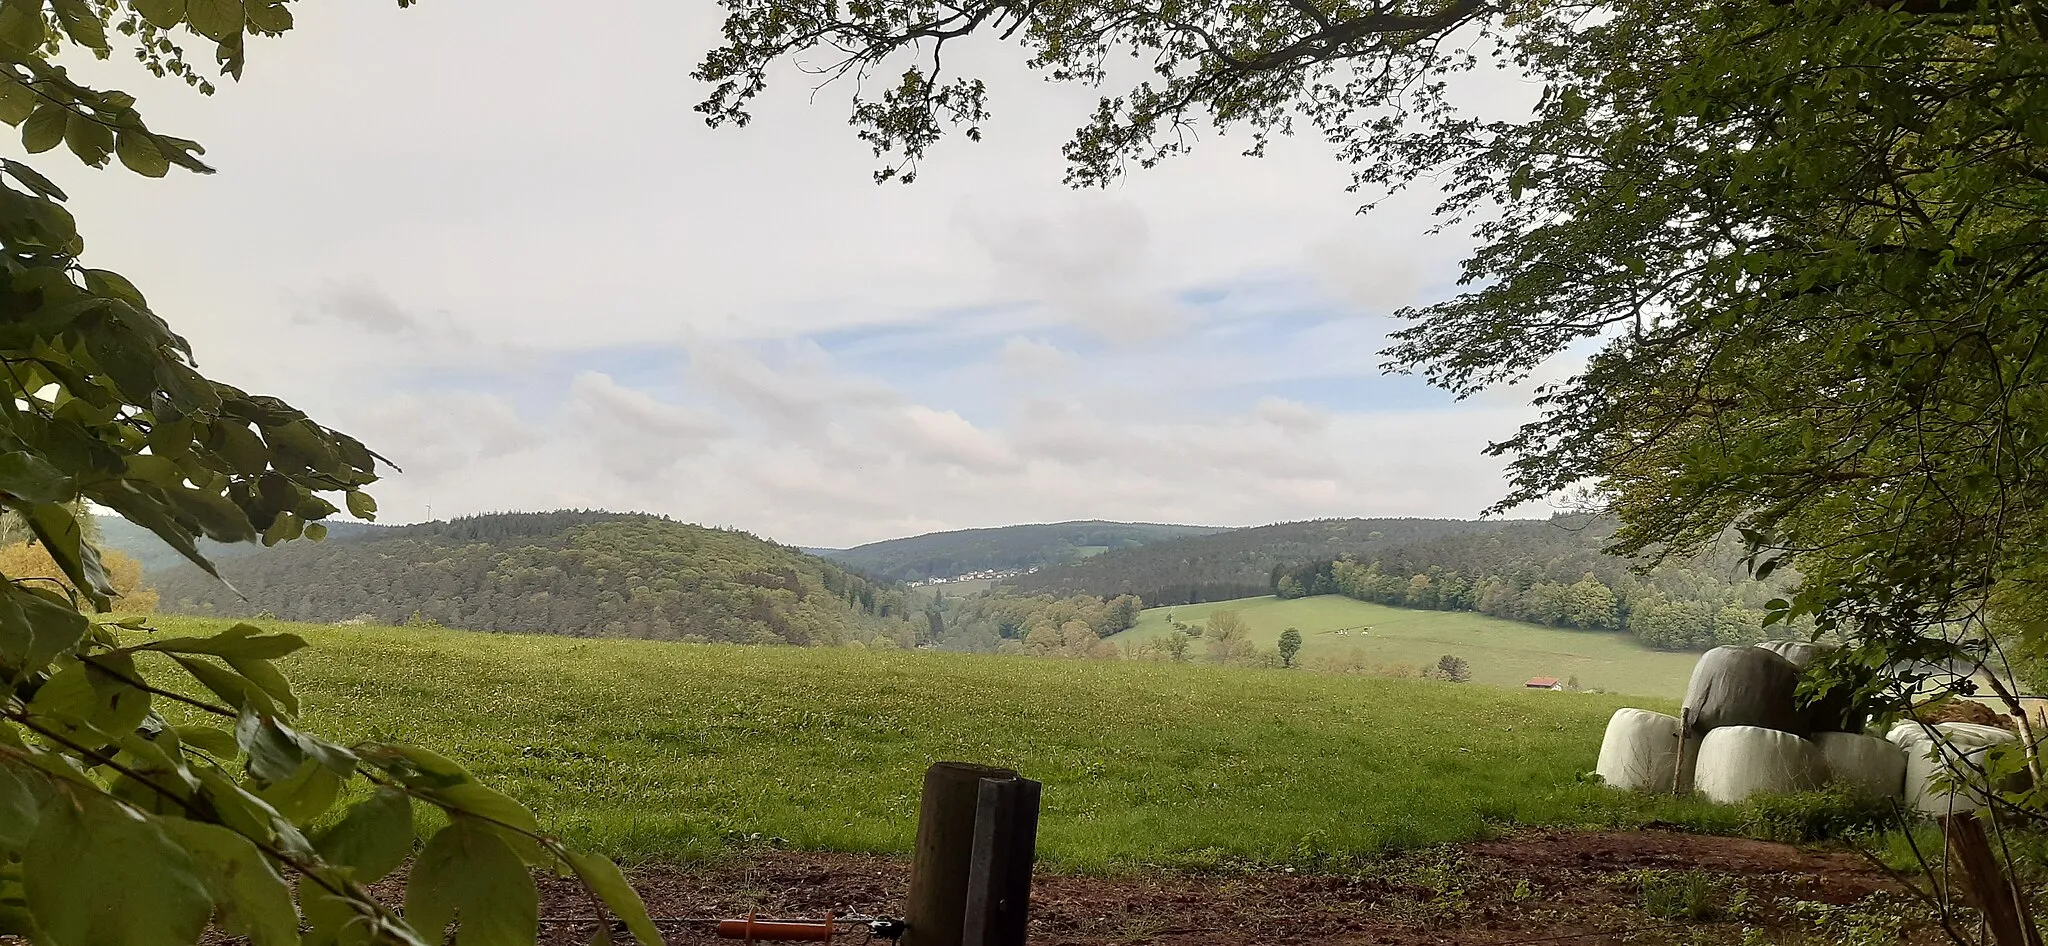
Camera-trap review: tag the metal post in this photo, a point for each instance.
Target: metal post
(999, 875)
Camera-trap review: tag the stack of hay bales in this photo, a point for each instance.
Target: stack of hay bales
(1750, 731)
(1744, 733)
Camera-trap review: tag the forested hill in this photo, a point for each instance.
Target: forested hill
(1233, 564)
(578, 573)
(1008, 548)
(1554, 572)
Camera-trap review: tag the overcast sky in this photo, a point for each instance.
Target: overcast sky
(501, 249)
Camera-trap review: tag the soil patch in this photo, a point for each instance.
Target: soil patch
(1531, 886)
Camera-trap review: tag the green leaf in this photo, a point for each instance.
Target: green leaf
(286, 527)
(22, 27)
(218, 743)
(269, 16)
(233, 689)
(306, 795)
(30, 478)
(254, 900)
(17, 101)
(606, 880)
(45, 128)
(373, 838)
(361, 505)
(87, 848)
(89, 139)
(33, 631)
(32, 180)
(243, 641)
(316, 531)
(119, 706)
(67, 695)
(57, 529)
(82, 24)
(476, 798)
(266, 677)
(273, 754)
(83, 694)
(215, 19)
(140, 154)
(106, 282)
(162, 14)
(330, 920)
(239, 445)
(466, 872)
(242, 812)
(419, 767)
(22, 793)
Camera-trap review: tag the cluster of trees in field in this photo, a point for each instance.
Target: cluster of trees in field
(1041, 625)
(576, 573)
(1006, 548)
(1233, 564)
(1554, 574)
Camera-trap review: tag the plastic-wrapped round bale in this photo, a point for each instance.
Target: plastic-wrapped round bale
(1971, 735)
(1640, 751)
(1869, 766)
(1800, 653)
(1744, 686)
(1956, 749)
(1736, 762)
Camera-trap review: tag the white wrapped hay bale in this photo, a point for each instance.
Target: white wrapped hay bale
(1971, 735)
(1956, 749)
(1744, 686)
(1800, 653)
(1640, 751)
(1736, 762)
(1870, 767)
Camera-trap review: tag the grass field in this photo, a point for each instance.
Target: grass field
(1501, 653)
(669, 752)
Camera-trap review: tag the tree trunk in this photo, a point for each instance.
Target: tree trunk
(2005, 910)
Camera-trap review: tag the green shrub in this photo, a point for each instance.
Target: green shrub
(1812, 816)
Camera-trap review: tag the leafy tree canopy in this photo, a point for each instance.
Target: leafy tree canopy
(152, 785)
(1807, 240)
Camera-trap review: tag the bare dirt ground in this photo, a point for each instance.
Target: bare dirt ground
(1536, 886)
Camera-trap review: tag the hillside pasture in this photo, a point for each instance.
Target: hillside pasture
(673, 752)
(1501, 653)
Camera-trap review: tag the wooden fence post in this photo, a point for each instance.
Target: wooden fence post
(934, 912)
(999, 877)
(1688, 751)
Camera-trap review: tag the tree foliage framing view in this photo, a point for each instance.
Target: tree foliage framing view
(152, 785)
(1806, 240)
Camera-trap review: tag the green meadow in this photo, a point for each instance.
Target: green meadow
(672, 752)
(1501, 653)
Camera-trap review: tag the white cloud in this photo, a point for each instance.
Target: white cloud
(638, 438)
(430, 437)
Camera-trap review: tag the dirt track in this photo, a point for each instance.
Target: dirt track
(1549, 886)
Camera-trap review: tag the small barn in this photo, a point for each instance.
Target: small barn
(1543, 683)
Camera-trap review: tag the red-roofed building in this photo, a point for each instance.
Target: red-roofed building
(1544, 683)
